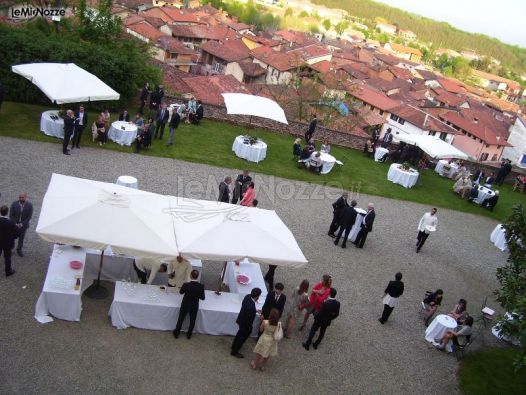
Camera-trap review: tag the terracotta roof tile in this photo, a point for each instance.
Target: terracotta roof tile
(202, 32)
(226, 50)
(209, 88)
(451, 86)
(279, 60)
(371, 96)
(479, 130)
(252, 69)
(146, 30)
(174, 46)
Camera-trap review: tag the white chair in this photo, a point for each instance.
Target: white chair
(487, 314)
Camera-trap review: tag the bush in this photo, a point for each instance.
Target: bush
(121, 63)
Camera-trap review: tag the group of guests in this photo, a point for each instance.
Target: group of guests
(14, 222)
(243, 190)
(308, 156)
(469, 190)
(321, 303)
(344, 218)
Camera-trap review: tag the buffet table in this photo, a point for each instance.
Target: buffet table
(439, 168)
(252, 270)
(406, 178)
(498, 237)
(50, 126)
(253, 153)
(149, 307)
(357, 224)
(123, 133)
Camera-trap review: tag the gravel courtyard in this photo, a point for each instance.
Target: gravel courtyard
(358, 354)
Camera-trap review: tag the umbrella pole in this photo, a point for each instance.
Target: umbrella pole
(218, 292)
(95, 290)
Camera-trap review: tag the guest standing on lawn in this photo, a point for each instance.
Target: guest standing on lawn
(312, 128)
(428, 223)
(193, 291)
(394, 290)
(20, 213)
(267, 345)
(337, 211)
(174, 124)
(245, 320)
(81, 120)
(144, 97)
(161, 120)
(102, 134)
(69, 126)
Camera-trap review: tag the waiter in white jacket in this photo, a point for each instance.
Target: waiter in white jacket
(428, 223)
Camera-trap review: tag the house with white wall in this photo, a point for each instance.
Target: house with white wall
(517, 138)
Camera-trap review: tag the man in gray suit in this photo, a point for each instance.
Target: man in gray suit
(20, 213)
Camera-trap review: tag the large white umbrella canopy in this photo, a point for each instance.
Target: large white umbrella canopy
(221, 231)
(94, 214)
(258, 106)
(432, 145)
(66, 82)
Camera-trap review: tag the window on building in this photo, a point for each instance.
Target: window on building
(494, 158)
(381, 112)
(443, 136)
(394, 117)
(484, 157)
(432, 133)
(218, 67)
(371, 107)
(401, 121)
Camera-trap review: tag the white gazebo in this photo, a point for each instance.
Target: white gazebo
(432, 146)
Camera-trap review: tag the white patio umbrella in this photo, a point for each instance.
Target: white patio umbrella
(94, 214)
(258, 106)
(66, 82)
(432, 145)
(221, 231)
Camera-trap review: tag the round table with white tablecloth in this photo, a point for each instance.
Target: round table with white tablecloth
(439, 168)
(438, 328)
(123, 133)
(357, 223)
(50, 125)
(128, 181)
(253, 153)
(406, 178)
(483, 193)
(379, 153)
(327, 162)
(498, 237)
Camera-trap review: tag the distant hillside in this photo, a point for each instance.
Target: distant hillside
(440, 33)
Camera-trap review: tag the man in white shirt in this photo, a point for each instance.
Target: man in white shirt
(144, 265)
(179, 272)
(428, 223)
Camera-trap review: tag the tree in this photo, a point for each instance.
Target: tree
(314, 29)
(98, 24)
(327, 24)
(304, 14)
(512, 279)
(288, 12)
(341, 27)
(382, 38)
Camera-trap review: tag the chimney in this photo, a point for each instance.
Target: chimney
(475, 120)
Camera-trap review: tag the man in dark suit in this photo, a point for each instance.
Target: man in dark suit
(274, 300)
(69, 126)
(161, 119)
(124, 116)
(245, 320)
(504, 170)
(144, 97)
(394, 290)
(224, 190)
(192, 291)
(312, 128)
(8, 234)
(174, 124)
(346, 223)
(20, 213)
(491, 202)
(375, 136)
(81, 120)
(330, 309)
(200, 111)
(388, 137)
(366, 226)
(241, 186)
(337, 211)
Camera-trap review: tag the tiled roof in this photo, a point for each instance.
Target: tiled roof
(421, 119)
(451, 86)
(450, 99)
(279, 60)
(226, 50)
(237, 26)
(404, 49)
(371, 96)
(133, 19)
(323, 67)
(146, 30)
(479, 130)
(174, 46)
(209, 88)
(428, 75)
(399, 72)
(181, 15)
(252, 69)
(156, 12)
(293, 36)
(311, 51)
(202, 32)
(173, 78)
(155, 22)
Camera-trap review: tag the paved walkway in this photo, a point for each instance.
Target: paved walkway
(358, 355)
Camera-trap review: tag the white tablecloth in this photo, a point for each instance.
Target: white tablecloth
(327, 161)
(217, 313)
(253, 270)
(498, 237)
(120, 136)
(379, 153)
(438, 328)
(55, 300)
(128, 181)
(356, 227)
(439, 168)
(483, 193)
(407, 179)
(253, 153)
(52, 127)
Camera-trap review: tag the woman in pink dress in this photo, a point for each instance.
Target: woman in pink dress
(320, 293)
(249, 196)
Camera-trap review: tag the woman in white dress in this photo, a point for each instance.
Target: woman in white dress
(266, 346)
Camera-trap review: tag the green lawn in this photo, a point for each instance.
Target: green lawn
(211, 143)
(491, 372)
